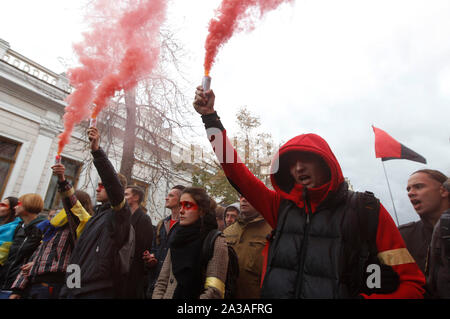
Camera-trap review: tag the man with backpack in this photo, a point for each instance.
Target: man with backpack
(328, 241)
(103, 253)
(248, 236)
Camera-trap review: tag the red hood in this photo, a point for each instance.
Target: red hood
(280, 177)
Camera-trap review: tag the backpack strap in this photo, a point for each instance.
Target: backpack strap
(366, 209)
(208, 245)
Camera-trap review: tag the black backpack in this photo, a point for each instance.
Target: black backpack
(233, 264)
(365, 217)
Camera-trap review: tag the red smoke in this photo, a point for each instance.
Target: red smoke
(229, 19)
(122, 47)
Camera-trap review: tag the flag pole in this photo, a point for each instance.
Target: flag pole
(393, 205)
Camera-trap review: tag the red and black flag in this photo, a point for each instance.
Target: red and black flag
(388, 148)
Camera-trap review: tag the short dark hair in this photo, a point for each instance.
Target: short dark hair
(434, 174)
(232, 208)
(136, 190)
(13, 201)
(179, 187)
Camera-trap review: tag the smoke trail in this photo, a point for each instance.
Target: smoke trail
(234, 16)
(141, 50)
(122, 47)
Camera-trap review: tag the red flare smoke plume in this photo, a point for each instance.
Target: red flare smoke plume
(122, 47)
(229, 16)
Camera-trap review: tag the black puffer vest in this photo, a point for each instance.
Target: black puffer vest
(315, 255)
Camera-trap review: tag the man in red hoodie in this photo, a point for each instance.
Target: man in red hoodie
(317, 246)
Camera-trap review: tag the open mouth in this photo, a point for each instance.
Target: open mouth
(304, 179)
(415, 202)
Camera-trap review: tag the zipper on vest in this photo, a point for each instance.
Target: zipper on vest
(308, 211)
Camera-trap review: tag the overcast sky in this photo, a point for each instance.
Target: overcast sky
(324, 66)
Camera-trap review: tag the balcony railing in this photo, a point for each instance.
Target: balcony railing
(37, 71)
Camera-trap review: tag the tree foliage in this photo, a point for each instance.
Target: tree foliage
(255, 149)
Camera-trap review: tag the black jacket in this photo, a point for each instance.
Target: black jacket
(135, 284)
(438, 279)
(417, 237)
(317, 255)
(96, 251)
(160, 247)
(26, 239)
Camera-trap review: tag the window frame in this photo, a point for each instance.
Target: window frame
(73, 180)
(12, 162)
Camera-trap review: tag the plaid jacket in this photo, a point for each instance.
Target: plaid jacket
(52, 256)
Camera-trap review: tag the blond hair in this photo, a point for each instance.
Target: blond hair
(32, 203)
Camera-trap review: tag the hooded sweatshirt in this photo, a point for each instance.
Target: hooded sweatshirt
(390, 245)
(235, 206)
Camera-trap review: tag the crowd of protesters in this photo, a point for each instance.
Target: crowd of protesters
(308, 237)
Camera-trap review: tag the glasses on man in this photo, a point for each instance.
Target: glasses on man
(101, 186)
(4, 205)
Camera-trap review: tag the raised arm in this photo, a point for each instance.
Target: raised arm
(115, 191)
(68, 199)
(264, 200)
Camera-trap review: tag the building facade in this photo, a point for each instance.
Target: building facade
(32, 102)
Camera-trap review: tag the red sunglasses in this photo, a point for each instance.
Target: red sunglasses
(4, 205)
(188, 205)
(101, 186)
(19, 203)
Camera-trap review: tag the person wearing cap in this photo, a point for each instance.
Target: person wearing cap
(231, 214)
(317, 250)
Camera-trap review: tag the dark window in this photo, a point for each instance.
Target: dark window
(72, 172)
(8, 154)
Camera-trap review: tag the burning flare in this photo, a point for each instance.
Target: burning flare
(122, 47)
(230, 18)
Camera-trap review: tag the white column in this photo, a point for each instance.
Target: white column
(18, 166)
(36, 165)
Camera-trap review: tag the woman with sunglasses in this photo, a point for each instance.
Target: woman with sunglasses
(185, 274)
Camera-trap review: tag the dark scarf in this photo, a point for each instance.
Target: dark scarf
(186, 253)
